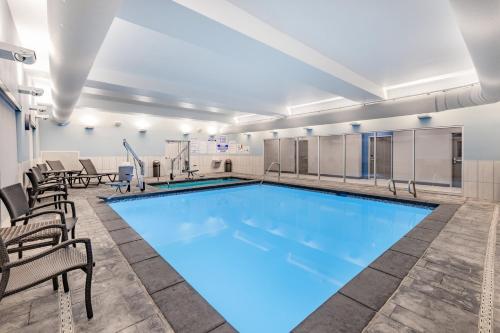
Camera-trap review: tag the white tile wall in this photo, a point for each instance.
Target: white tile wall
(482, 179)
(248, 164)
(470, 171)
(485, 171)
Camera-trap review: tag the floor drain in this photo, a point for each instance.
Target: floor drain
(65, 310)
(487, 294)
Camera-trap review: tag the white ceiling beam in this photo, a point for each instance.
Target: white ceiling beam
(239, 20)
(171, 92)
(92, 99)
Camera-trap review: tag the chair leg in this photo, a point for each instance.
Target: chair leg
(88, 296)
(65, 282)
(20, 253)
(55, 283)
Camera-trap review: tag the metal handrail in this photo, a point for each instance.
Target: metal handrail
(268, 169)
(393, 183)
(411, 184)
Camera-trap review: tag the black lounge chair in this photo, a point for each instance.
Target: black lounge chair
(42, 188)
(45, 178)
(18, 206)
(43, 167)
(92, 171)
(23, 274)
(73, 175)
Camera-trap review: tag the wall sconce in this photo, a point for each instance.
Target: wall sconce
(117, 123)
(355, 124)
(185, 129)
(142, 130)
(89, 127)
(424, 116)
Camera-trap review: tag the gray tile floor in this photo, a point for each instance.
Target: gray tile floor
(440, 294)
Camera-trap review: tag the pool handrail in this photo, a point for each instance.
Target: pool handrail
(411, 184)
(269, 168)
(393, 188)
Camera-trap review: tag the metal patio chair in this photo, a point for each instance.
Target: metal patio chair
(23, 274)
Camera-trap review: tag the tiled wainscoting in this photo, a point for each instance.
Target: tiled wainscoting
(248, 164)
(482, 180)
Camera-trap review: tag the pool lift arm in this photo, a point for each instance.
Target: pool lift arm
(172, 161)
(137, 160)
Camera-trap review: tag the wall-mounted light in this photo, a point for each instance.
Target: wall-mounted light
(16, 53)
(88, 121)
(424, 116)
(355, 124)
(142, 125)
(33, 91)
(185, 129)
(212, 130)
(117, 123)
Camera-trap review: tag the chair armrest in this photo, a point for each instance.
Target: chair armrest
(34, 231)
(71, 203)
(54, 179)
(25, 218)
(52, 186)
(86, 241)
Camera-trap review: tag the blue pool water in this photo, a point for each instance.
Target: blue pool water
(197, 183)
(267, 256)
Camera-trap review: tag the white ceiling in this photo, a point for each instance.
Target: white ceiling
(233, 58)
(386, 41)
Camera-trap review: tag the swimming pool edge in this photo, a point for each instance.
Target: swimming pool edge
(351, 308)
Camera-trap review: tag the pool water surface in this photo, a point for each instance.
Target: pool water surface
(267, 256)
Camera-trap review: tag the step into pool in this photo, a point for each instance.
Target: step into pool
(267, 256)
(197, 183)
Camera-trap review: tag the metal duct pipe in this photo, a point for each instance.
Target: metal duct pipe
(423, 103)
(479, 22)
(77, 30)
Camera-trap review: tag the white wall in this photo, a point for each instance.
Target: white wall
(16, 145)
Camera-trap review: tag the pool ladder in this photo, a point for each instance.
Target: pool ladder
(268, 169)
(411, 188)
(391, 185)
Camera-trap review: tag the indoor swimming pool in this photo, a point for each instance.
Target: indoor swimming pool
(266, 256)
(197, 183)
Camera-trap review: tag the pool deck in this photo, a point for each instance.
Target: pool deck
(440, 293)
